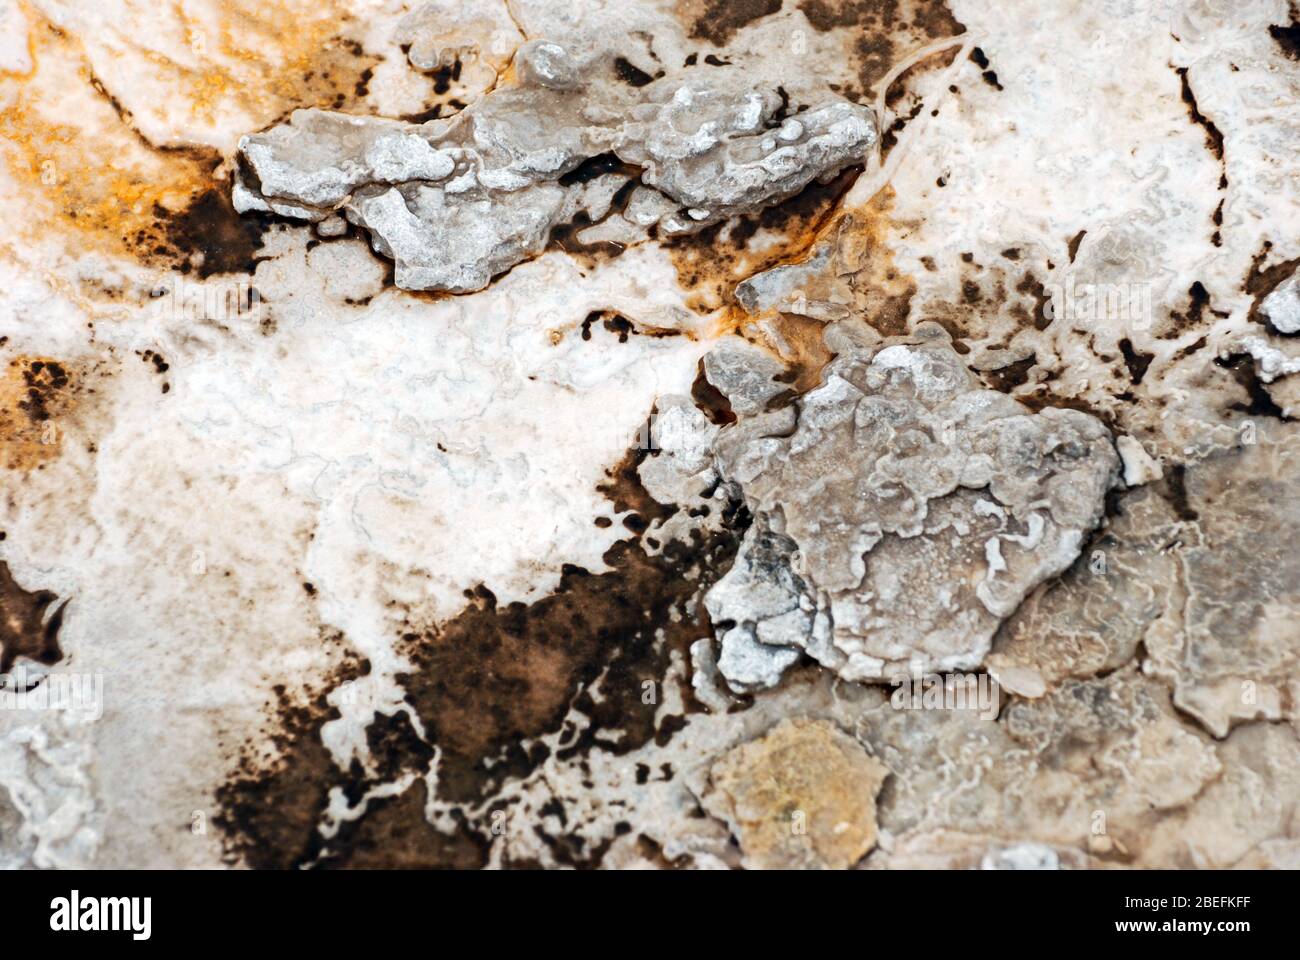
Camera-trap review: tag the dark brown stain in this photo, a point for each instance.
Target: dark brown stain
(43, 382)
(362, 86)
(268, 811)
(393, 834)
(1042, 397)
(1072, 246)
(483, 683)
(718, 20)
(955, 323)
(498, 675)
(24, 629)
(564, 236)
(1136, 361)
(1198, 303)
(631, 74)
(1213, 137)
(1007, 379)
(208, 237)
(981, 60)
(1260, 281)
(443, 77)
(623, 488)
(1194, 347)
(902, 87)
(890, 138)
(1259, 402)
(1288, 38)
(1043, 312)
(881, 32)
(620, 326)
(423, 116)
(1174, 489)
(710, 400)
(38, 397)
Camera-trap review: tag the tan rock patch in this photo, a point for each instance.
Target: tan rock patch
(801, 797)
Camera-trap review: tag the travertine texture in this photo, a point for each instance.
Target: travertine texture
(901, 513)
(568, 565)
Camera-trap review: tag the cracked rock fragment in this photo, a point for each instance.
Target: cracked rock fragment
(801, 797)
(714, 150)
(455, 202)
(901, 513)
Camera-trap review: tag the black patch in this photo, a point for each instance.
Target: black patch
(209, 237)
(631, 74)
(1288, 38)
(597, 166)
(1136, 361)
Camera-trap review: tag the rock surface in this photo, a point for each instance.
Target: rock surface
(802, 796)
(456, 202)
(566, 563)
(901, 511)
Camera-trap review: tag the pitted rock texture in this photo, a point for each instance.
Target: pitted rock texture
(901, 513)
(455, 202)
(801, 797)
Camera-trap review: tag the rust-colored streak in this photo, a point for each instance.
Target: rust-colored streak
(862, 276)
(710, 263)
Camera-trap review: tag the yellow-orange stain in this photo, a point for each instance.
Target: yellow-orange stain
(92, 180)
